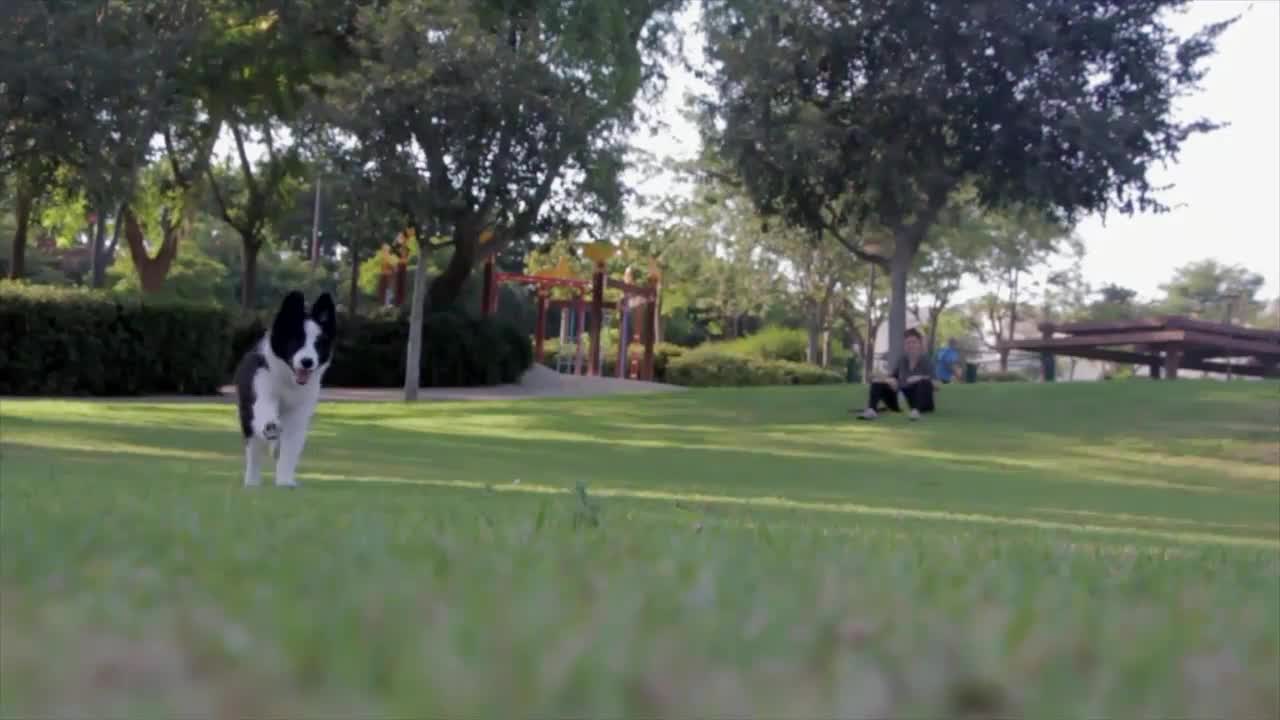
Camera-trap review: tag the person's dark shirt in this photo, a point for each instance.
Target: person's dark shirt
(922, 367)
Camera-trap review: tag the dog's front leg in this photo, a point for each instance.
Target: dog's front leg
(266, 420)
(293, 436)
(252, 461)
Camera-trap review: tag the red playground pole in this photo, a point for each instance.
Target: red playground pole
(541, 330)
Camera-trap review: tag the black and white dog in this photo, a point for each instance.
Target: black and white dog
(278, 385)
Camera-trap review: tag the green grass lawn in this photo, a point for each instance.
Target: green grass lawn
(1096, 550)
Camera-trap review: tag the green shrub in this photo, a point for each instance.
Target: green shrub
(771, 343)
(457, 351)
(717, 369)
(68, 341)
(678, 328)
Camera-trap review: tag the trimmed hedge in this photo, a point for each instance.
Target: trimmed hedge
(774, 342)
(717, 369)
(457, 351)
(712, 365)
(67, 341)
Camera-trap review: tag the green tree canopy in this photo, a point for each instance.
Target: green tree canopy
(836, 114)
(1213, 291)
(510, 116)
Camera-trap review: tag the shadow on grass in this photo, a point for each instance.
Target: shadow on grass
(991, 451)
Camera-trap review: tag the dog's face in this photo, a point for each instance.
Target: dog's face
(302, 340)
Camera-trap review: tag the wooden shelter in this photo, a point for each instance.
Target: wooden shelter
(1166, 343)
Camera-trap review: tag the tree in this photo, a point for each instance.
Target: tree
(864, 307)
(167, 213)
(84, 87)
(358, 204)
(956, 247)
(1066, 292)
(255, 68)
(1213, 291)
(251, 198)
(808, 275)
(739, 276)
(817, 274)
(1269, 318)
(41, 120)
(417, 310)
(1114, 303)
(839, 114)
(717, 270)
(1066, 297)
(1021, 243)
(192, 276)
(514, 115)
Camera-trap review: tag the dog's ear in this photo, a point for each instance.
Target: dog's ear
(292, 312)
(325, 314)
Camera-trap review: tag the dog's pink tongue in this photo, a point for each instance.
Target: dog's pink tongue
(301, 375)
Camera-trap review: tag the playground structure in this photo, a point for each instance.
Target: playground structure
(1165, 344)
(635, 297)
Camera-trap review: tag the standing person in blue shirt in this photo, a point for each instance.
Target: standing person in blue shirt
(948, 362)
(913, 377)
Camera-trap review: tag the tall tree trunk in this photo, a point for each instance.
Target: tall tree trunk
(447, 288)
(354, 290)
(815, 338)
(899, 267)
(413, 351)
(906, 243)
(658, 333)
(315, 230)
(151, 270)
(869, 356)
(18, 256)
(935, 313)
(1013, 321)
(249, 273)
(117, 227)
(98, 251)
(826, 349)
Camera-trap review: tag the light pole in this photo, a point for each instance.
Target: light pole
(315, 229)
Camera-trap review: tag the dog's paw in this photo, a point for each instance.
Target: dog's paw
(271, 431)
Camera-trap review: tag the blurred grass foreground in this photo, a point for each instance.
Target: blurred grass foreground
(1110, 549)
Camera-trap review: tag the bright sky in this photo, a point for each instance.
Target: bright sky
(1226, 190)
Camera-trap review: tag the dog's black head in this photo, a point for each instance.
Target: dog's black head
(302, 340)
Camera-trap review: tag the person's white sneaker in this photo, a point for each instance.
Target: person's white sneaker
(868, 414)
(915, 414)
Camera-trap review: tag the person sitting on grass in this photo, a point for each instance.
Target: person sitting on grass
(913, 377)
